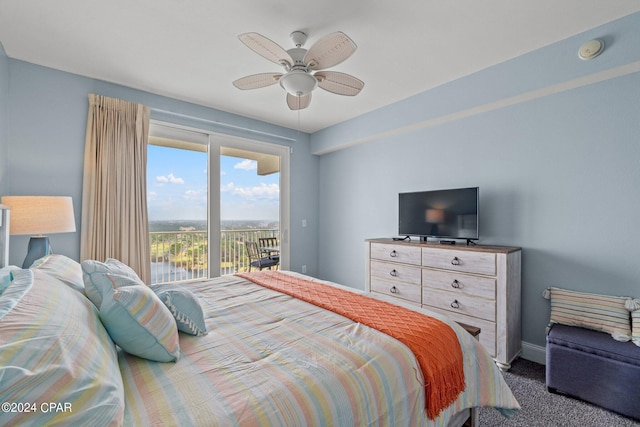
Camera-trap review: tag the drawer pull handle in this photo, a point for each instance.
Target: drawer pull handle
(455, 261)
(393, 254)
(455, 284)
(455, 304)
(394, 273)
(393, 290)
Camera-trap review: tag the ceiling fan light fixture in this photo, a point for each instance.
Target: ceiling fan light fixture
(298, 83)
(304, 69)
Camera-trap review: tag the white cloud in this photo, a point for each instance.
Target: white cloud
(195, 195)
(261, 191)
(171, 178)
(247, 165)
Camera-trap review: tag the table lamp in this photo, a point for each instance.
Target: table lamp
(39, 215)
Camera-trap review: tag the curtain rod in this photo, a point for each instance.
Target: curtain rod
(224, 125)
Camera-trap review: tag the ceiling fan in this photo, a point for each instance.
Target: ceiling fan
(304, 69)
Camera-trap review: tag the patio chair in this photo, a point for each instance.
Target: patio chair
(269, 246)
(256, 259)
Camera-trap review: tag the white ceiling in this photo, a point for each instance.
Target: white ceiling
(189, 50)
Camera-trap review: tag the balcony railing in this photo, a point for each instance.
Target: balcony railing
(183, 255)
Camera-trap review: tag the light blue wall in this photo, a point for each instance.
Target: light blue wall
(558, 173)
(48, 114)
(4, 108)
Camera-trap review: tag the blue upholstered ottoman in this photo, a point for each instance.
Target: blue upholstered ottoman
(592, 366)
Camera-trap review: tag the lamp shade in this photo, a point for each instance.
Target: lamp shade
(38, 215)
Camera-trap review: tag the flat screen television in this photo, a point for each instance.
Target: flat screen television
(444, 214)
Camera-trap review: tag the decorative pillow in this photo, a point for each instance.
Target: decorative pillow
(100, 277)
(53, 348)
(62, 268)
(184, 306)
(5, 276)
(592, 311)
(635, 322)
(139, 323)
(122, 268)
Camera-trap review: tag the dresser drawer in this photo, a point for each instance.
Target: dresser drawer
(396, 272)
(460, 283)
(487, 328)
(396, 253)
(406, 291)
(466, 261)
(457, 303)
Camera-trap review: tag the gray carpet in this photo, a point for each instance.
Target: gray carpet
(541, 408)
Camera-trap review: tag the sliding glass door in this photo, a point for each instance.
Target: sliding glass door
(208, 194)
(252, 185)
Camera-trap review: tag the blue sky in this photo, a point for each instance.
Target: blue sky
(177, 187)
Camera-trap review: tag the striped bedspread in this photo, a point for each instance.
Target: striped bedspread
(432, 342)
(270, 359)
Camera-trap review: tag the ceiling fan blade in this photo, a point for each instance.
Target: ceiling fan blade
(256, 81)
(339, 83)
(329, 51)
(298, 102)
(266, 48)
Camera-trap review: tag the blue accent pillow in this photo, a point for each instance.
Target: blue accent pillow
(139, 322)
(6, 277)
(184, 306)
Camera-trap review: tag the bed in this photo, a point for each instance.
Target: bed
(236, 353)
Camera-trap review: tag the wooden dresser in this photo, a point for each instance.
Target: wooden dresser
(475, 285)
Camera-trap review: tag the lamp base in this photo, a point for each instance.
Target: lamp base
(38, 247)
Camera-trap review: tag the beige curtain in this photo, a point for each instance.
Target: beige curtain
(114, 195)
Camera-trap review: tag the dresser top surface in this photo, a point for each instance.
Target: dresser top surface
(458, 247)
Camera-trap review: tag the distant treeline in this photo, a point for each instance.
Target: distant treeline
(201, 225)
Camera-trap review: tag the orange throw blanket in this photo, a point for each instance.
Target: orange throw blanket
(434, 344)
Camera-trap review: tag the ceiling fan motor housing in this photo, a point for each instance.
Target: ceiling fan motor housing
(297, 54)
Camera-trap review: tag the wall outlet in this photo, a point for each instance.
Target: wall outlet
(304, 269)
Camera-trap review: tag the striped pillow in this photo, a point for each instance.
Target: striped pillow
(53, 348)
(62, 268)
(592, 311)
(140, 323)
(635, 322)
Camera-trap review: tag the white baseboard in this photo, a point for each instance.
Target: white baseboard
(534, 353)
